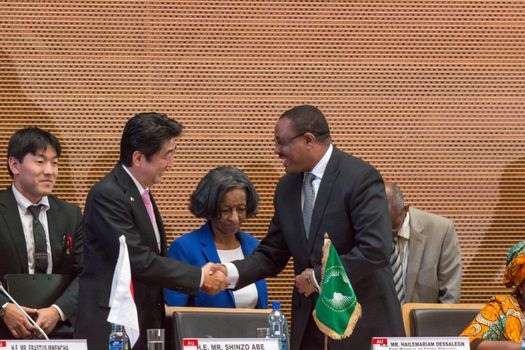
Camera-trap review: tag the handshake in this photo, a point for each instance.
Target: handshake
(215, 278)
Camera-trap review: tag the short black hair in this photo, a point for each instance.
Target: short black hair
(147, 132)
(30, 140)
(307, 118)
(205, 201)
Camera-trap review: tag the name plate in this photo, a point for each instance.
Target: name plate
(70, 344)
(421, 343)
(230, 344)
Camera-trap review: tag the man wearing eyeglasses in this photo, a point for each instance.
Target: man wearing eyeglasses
(326, 190)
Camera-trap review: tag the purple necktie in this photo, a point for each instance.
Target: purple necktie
(149, 206)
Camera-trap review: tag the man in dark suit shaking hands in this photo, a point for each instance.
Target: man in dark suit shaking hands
(39, 233)
(326, 190)
(121, 204)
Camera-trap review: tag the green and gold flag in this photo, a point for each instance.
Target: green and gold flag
(337, 310)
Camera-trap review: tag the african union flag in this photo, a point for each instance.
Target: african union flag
(337, 310)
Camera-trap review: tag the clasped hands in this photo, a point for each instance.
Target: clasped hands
(215, 278)
(21, 328)
(304, 282)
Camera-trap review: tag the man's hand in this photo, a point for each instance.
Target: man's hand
(47, 319)
(215, 278)
(304, 282)
(17, 322)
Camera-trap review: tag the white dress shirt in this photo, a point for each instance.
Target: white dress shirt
(27, 225)
(141, 191)
(245, 297)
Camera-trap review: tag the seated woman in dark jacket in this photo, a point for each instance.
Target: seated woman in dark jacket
(225, 197)
(499, 324)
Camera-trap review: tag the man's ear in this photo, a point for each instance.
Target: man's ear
(14, 165)
(309, 137)
(136, 159)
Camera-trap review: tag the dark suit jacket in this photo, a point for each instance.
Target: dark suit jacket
(198, 248)
(62, 219)
(114, 207)
(351, 207)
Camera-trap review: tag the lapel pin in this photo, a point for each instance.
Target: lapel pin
(132, 199)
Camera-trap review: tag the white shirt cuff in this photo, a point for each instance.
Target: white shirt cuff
(233, 274)
(202, 277)
(62, 316)
(315, 281)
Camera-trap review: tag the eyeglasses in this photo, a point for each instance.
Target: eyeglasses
(283, 143)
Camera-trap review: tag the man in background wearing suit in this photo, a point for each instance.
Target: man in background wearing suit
(326, 190)
(39, 232)
(121, 204)
(429, 252)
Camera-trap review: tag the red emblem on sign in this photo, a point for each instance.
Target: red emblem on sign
(190, 342)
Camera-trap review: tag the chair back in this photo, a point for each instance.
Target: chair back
(437, 320)
(195, 322)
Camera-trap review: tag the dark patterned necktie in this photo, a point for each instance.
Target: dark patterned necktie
(308, 205)
(39, 236)
(397, 270)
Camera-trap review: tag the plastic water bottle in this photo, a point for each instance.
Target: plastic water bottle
(118, 339)
(277, 323)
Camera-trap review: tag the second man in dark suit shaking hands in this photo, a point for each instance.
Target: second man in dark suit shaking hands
(121, 204)
(326, 190)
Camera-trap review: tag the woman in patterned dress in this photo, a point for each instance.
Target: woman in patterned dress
(500, 323)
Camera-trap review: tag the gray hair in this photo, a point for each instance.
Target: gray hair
(205, 201)
(398, 201)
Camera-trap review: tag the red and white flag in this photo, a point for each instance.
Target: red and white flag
(121, 301)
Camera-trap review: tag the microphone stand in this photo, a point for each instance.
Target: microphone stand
(2, 289)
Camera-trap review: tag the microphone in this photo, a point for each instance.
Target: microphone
(2, 289)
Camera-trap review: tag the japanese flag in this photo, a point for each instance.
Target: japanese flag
(121, 301)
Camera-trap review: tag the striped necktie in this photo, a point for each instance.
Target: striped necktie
(397, 270)
(308, 205)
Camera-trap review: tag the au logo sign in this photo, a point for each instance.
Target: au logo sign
(421, 343)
